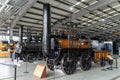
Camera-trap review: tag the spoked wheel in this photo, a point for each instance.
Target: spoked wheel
(86, 62)
(30, 57)
(68, 64)
(110, 61)
(40, 56)
(23, 57)
(93, 59)
(50, 64)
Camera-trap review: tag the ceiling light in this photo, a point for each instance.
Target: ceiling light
(71, 8)
(103, 20)
(77, 3)
(82, 0)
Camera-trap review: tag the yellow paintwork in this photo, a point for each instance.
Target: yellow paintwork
(64, 43)
(0, 45)
(4, 54)
(3, 46)
(99, 54)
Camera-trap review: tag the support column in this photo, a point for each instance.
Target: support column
(10, 33)
(11, 41)
(20, 33)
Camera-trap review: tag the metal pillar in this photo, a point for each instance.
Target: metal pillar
(20, 33)
(46, 30)
(10, 33)
(15, 69)
(15, 72)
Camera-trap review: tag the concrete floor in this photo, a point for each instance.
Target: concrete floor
(95, 73)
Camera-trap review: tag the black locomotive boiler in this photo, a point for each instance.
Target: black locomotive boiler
(30, 49)
(65, 52)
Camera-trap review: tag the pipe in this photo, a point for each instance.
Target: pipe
(46, 30)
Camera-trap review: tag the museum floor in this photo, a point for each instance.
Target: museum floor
(95, 73)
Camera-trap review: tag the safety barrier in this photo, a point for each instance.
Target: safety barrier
(11, 65)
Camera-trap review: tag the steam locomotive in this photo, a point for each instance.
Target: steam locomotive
(30, 49)
(64, 51)
(67, 51)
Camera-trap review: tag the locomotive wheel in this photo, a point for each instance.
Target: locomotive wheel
(86, 62)
(23, 57)
(68, 64)
(50, 64)
(30, 57)
(40, 56)
(94, 60)
(110, 62)
(102, 62)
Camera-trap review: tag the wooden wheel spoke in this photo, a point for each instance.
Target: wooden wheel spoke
(68, 66)
(50, 64)
(85, 62)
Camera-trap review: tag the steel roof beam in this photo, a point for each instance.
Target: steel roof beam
(22, 12)
(33, 30)
(27, 26)
(76, 15)
(56, 7)
(40, 15)
(27, 29)
(51, 12)
(68, 4)
(107, 30)
(32, 18)
(31, 22)
(101, 22)
(4, 5)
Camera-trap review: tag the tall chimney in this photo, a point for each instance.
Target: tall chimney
(46, 30)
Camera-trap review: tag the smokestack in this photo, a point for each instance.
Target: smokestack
(46, 30)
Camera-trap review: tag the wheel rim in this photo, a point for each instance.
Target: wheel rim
(23, 57)
(30, 57)
(50, 64)
(94, 60)
(68, 66)
(85, 62)
(40, 56)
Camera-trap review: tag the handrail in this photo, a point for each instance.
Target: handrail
(12, 65)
